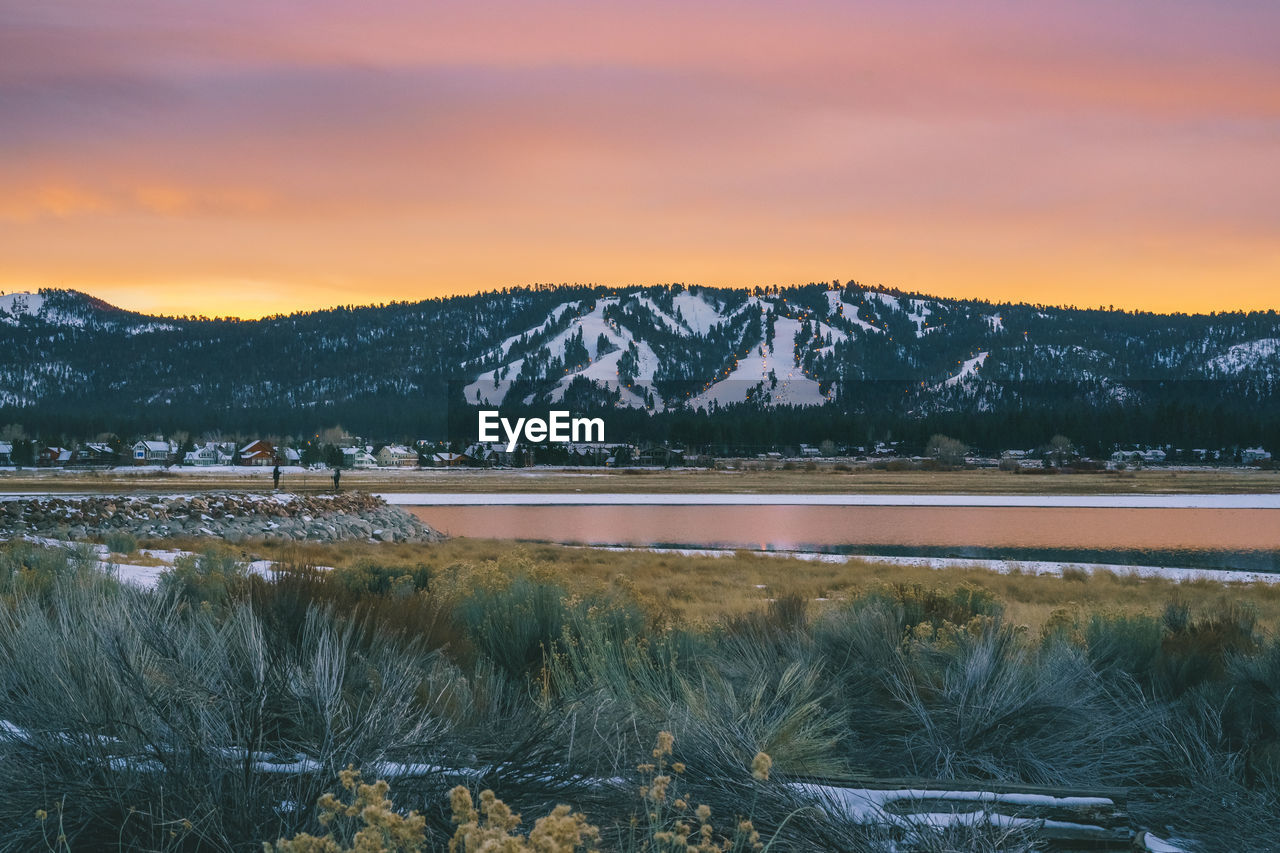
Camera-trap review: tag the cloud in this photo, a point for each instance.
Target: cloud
(458, 145)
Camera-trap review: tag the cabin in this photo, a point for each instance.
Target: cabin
(155, 452)
(6, 453)
(397, 456)
(258, 453)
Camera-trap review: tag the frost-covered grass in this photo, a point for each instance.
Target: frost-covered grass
(213, 711)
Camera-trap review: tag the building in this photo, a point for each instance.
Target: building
(448, 459)
(203, 457)
(54, 457)
(6, 453)
(258, 453)
(97, 453)
(397, 456)
(1149, 457)
(358, 458)
(1254, 456)
(156, 452)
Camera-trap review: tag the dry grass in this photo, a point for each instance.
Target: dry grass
(747, 478)
(701, 590)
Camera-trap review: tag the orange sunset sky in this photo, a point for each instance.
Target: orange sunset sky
(247, 157)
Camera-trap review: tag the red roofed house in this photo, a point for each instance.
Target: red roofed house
(258, 453)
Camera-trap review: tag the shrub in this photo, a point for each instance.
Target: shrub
(30, 569)
(208, 577)
(120, 542)
(148, 715)
(519, 626)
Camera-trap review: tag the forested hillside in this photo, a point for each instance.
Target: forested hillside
(693, 364)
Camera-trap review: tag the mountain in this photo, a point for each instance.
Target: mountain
(74, 364)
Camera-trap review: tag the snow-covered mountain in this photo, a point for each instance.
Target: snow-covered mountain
(65, 356)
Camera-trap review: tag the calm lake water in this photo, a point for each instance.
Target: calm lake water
(1194, 537)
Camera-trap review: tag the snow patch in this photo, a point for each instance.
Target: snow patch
(968, 370)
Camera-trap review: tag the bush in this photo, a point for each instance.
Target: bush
(206, 578)
(145, 716)
(120, 542)
(30, 569)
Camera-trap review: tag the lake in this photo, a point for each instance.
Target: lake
(1244, 534)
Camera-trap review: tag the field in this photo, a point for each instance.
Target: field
(702, 591)
(214, 711)
(751, 477)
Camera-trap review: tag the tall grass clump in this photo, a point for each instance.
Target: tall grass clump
(120, 542)
(142, 716)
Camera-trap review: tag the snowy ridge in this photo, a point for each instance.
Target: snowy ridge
(1246, 356)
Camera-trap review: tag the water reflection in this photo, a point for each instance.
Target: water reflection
(1218, 538)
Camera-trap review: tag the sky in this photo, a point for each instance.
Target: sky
(249, 157)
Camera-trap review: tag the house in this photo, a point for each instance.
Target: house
(484, 453)
(1155, 456)
(397, 456)
(258, 453)
(1254, 456)
(289, 456)
(203, 456)
(6, 453)
(54, 457)
(97, 453)
(155, 452)
(358, 457)
(447, 459)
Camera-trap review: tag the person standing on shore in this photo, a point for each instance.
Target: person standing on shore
(337, 475)
(275, 478)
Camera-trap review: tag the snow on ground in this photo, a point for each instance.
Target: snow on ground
(895, 808)
(1255, 501)
(1004, 567)
(996, 321)
(886, 299)
(556, 313)
(699, 314)
(147, 574)
(794, 388)
(874, 805)
(968, 370)
(487, 388)
(673, 325)
(18, 304)
(918, 313)
(848, 310)
(1246, 355)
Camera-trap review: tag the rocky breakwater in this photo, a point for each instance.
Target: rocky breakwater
(224, 515)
